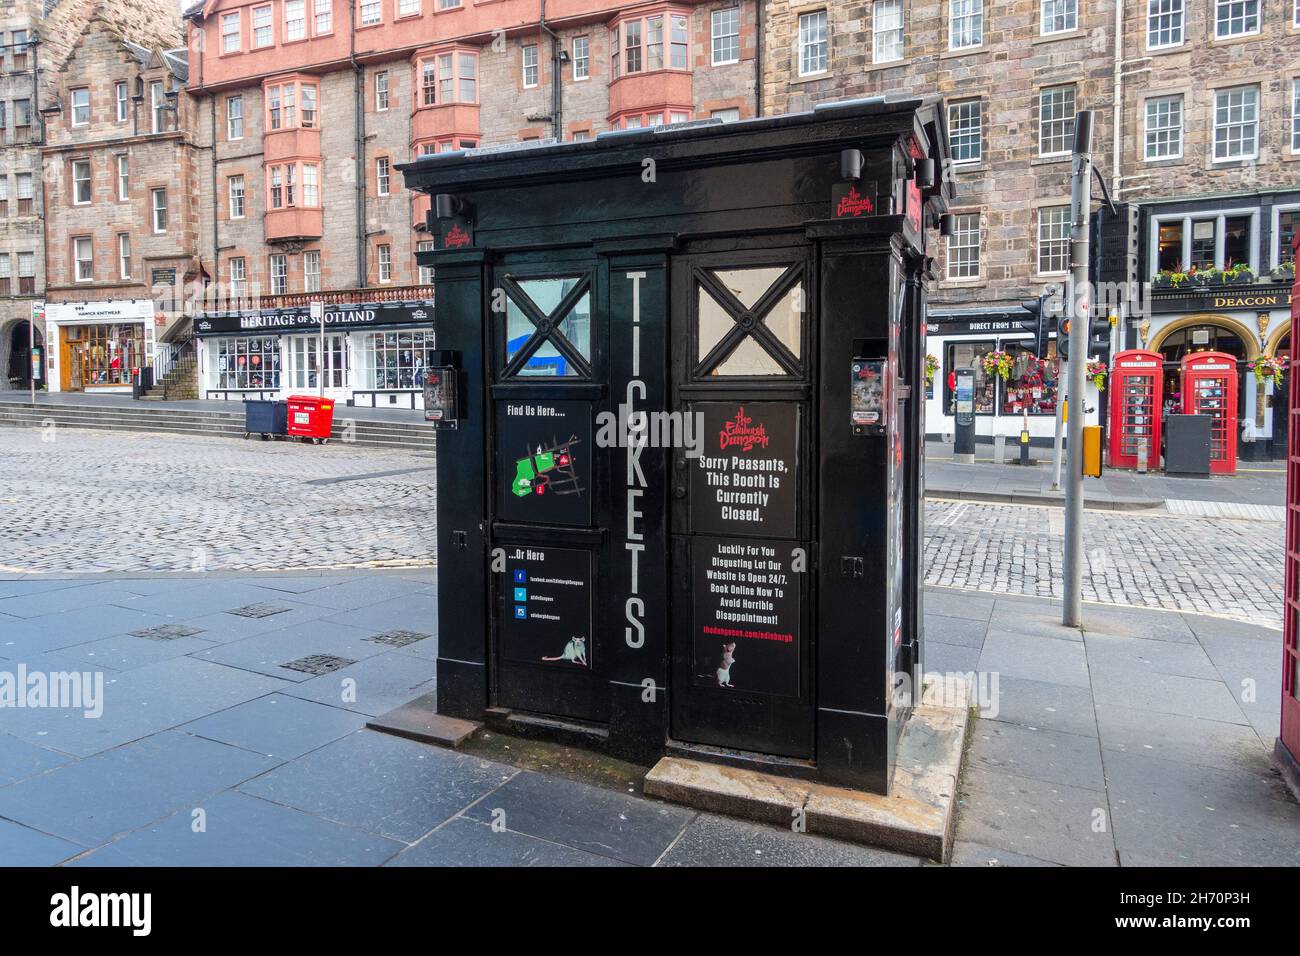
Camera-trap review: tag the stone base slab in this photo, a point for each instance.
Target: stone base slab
(916, 818)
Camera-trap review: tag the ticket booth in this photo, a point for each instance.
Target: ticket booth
(1209, 386)
(679, 507)
(1136, 401)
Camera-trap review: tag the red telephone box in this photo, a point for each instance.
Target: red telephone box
(1136, 394)
(1286, 752)
(1210, 388)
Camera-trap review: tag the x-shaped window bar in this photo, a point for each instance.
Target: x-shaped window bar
(547, 326)
(749, 321)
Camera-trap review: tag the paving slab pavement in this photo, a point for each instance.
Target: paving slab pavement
(1086, 756)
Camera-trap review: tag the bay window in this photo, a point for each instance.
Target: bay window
(310, 184)
(282, 105)
(644, 38)
(446, 78)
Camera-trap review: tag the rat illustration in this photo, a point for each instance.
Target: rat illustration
(724, 668)
(575, 650)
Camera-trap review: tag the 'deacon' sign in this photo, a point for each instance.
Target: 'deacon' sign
(1224, 299)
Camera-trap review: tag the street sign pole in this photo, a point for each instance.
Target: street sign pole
(318, 313)
(37, 315)
(1079, 303)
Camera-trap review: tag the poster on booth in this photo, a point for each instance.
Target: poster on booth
(543, 462)
(545, 612)
(746, 607)
(744, 481)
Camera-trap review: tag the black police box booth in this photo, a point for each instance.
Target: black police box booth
(680, 477)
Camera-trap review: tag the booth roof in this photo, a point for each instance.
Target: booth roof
(709, 139)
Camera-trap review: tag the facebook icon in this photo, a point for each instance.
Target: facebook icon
(521, 576)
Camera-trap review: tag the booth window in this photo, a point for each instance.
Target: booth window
(1032, 384)
(248, 363)
(548, 327)
(397, 360)
(750, 321)
(969, 355)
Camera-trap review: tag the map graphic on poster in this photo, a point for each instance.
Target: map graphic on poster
(746, 609)
(545, 599)
(543, 462)
(744, 481)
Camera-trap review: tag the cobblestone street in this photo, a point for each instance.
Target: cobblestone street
(1224, 566)
(87, 501)
(74, 505)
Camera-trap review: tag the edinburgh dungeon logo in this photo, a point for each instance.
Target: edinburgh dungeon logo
(851, 204)
(741, 432)
(455, 237)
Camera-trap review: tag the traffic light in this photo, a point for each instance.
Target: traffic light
(1098, 336)
(1063, 339)
(1037, 325)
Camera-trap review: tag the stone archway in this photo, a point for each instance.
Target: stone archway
(15, 362)
(1249, 338)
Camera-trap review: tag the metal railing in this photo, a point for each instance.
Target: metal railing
(301, 300)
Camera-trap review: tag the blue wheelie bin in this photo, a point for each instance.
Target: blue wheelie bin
(266, 418)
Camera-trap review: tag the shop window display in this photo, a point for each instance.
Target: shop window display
(1031, 387)
(109, 352)
(248, 363)
(969, 355)
(397, 360)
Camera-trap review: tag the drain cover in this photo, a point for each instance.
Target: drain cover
(318, 664)
(397, 638)
(257, 610)
(167, 632)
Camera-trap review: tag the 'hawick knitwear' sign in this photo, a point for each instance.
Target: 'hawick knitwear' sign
(299, 319)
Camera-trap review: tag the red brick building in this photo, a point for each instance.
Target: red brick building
(309, 105)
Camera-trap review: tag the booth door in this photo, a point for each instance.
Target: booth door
(1210, 394)
(1138, 420)
(743, 502)
(547, 525)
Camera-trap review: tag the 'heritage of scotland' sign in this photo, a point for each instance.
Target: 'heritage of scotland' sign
(298, 318)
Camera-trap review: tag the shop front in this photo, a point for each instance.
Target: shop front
(96, 346)
(374, 354)
(1249, 323)
(1003, 406)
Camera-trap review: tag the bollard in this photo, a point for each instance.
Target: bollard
(999, 449)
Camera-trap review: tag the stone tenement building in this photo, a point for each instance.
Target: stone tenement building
(36, 37)
(1204, 147)
(121, 214)
(311, 104)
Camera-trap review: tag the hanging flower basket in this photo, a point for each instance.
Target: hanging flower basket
(1097, 371)
(999, 364)
(931, 367)
(1266, 367)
